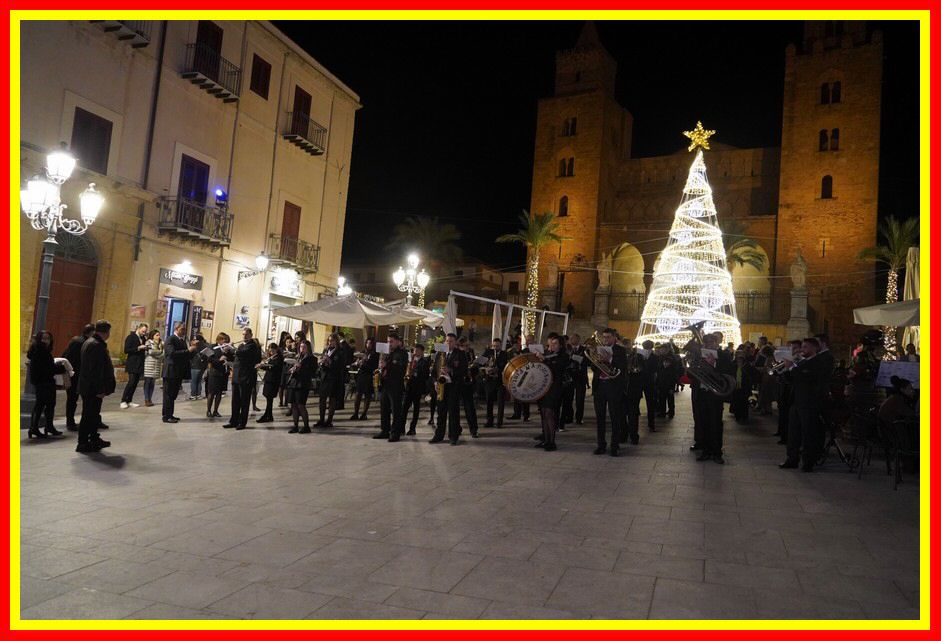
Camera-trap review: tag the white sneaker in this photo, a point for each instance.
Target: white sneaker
(134, 404)
(124, 405)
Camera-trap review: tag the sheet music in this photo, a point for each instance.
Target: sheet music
(441, 347)
(382, 348)
(536, 347)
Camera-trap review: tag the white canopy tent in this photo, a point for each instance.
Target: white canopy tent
(349, 311)
(912, 333)
(901, 314)
(430, 318)
(451, 312)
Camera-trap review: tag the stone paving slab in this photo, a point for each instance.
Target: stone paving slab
(191, 521)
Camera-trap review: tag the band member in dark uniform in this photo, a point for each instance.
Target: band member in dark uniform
(710, 406)
(244, 377)
(95, 382)
(73, 354)
(333, 364)
(520, 410)
(786, 396)
(42, 373)
(567, 397)
(176, 368)
(287, 353)
(667, 376)
(273, 367)
(416, 385)
(609, 392)
(745, 377)
(493, 381)
(135, 348)
(633, 380)
(435, 369)
(363, 381)
(579, 368)
(348, 346)
(649, 381)
(449, 409)
(217, 376)
(467, 387)
(557, 360)
(300, 380)
(810, 383)
(827, 402)
(391, 386)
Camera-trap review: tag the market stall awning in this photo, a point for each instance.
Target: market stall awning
(901, 314)
(348, 311)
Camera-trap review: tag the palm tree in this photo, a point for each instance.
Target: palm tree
(740, 249)
(435, 242)
(536, 232)
(898, 235)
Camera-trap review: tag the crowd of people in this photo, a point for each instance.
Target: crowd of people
(801, 378)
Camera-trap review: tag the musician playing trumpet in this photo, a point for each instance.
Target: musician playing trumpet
(273, 367)
(392, 382)
(493, 385)
(449, 408)
(608, 391)
(416, 385)
(368, 363)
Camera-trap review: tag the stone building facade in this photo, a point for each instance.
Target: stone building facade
(817, 192)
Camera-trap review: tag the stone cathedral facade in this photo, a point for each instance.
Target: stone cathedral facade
(816, 194)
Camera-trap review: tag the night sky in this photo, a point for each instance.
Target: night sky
(449, 110)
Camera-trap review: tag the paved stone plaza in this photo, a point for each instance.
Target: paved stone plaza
(190, 521)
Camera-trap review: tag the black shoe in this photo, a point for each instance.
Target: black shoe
(513, 418)
(395, 438)
(363, 417)
(705, 456)
(488, 424)
(807, 468)
(436, 440)
(539, 443)
(256, 409)
(526, 420)
(381, 435)
(661, 414)
(327, 424)
(87, 448)
(431, 423)
(51, 431)
(475, 435)
(615, 451)
(354, 417)
(35, 433)
(227, 425)
(579, 422)
(98, 442)
(550, 447)
(411, 432)
(319, 423)
(170, 419)
(72, 427)
(304, 430)
(216, 415)
(294, 430)
(670, 415)
(782, 442)
(208, 414)
(265, 419)
(601, 449)
(695, 447)
(653, 428)
(453, 441)
(788, 465)
(240, 427)
(718, 459)
(102, 426)
(635, 439)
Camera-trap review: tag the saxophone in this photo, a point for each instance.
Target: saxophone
(441, 378)
(377, 374)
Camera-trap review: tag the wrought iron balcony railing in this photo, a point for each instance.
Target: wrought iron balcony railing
(305, 133)
(189, 220)
(207, 68)
(134, 32)
(297, 253)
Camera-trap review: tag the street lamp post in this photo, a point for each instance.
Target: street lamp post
(41, 201)
(411, 281)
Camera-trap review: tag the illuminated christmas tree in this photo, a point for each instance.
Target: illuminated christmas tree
(692, 283)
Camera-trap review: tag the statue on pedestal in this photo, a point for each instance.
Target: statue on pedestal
(604, 270)
(799, 271)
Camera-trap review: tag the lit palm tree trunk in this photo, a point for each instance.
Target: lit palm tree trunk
(532, 292)
(891, 296)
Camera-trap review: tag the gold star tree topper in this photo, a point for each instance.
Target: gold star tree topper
(699, 137)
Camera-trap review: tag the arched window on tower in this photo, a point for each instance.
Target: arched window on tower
(834, 140)
(573, 125)
(824, 142)
(571, 167)
(563, 206)
(562, 167)
(826, 187)
(835, 92)
(825, 93)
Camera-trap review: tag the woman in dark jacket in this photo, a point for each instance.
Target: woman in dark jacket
(217, 377)
(273, 367)
(557, 360)
(289, 356)
(300, 382)
(364, 376)
(42, 371)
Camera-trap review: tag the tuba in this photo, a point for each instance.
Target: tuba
(591, 353)
(722, 385)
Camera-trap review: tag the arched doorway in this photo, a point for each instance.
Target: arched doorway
(752, 287)
(628, 291)
(72, 294)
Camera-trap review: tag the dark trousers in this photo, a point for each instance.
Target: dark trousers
(45, 405)
(91, 418)
(580, 389)
(784, 414)
(449, 413)
(412, 402)
(171, 387)
(608, 402)
(521, 409)
(495, 393)
(470, 406)
(432, 403)
(566, 405)
(71, 401)
(666, 400)
(241, 401)
(803, 435)
(699, 420)
(391, 414)
(133, 378)
(550, 424)
(707, 409)
(739, 405)
(650, 399)
(632, 410)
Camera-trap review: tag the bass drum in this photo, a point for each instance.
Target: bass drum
(527, 379)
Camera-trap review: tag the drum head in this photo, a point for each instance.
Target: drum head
(526, 378)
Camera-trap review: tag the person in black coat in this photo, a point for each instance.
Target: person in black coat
(608, 393)
(454, 371)
(176, 368)
(349, 353)
(745, 377)
(217, 376)
(557, 360)
(95, 382)
(416, 385)
(520, 409)
(364, 380)
(42, 371)
(467, 387)
(671, 367)
(649, 383)
(392, 384)
(710, 406)
(809, 379)
(579, 368)
(73, 354)
(333, 365)
(244, 378)
(300, 380)
(493, 381)
(198, 364)
(136, 351)
(273, 367)
(288, 353)
(633, 391)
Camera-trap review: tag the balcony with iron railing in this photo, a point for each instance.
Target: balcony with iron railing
(135, 32)
(189, 220)
(307, 134)
(626, 306)
(207, 68)
(293, 252)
